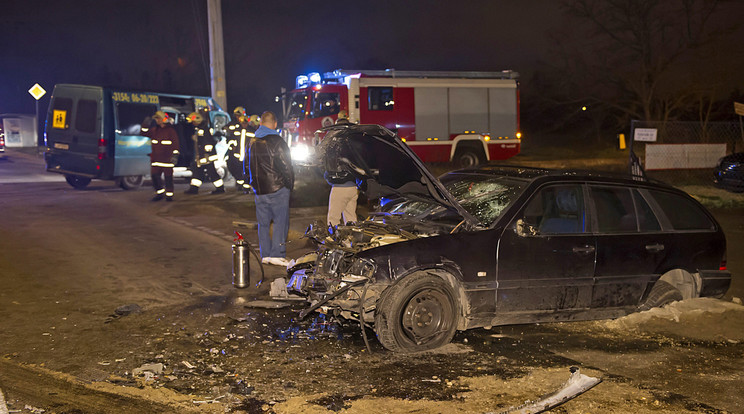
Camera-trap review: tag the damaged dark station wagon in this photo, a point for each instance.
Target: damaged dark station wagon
(500, 245)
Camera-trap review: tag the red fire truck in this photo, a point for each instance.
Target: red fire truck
(464, 117)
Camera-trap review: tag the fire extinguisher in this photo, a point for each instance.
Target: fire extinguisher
(241, 250)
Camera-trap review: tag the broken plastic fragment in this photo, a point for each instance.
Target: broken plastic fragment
(576, 385)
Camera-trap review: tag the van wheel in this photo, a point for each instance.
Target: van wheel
(130, 182)
(77, 181)
(661, 294)
(418, 313)
(468, 157)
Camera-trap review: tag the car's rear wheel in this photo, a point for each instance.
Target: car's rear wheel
(77, 181)
(419, 312)
(661, 294)
(130, 182)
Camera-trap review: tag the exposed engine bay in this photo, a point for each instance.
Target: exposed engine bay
(335, 278)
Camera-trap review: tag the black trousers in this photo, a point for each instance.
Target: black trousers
(156, 172)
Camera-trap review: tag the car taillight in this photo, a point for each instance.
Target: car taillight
(101, 149)
(722, 266)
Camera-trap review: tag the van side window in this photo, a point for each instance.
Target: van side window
(86, 115)
(682, 212)
(380, 99)
(129, 116)
(615, 209)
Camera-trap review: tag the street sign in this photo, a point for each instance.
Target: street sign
(645, 134)
(739, 108)
(37, 91)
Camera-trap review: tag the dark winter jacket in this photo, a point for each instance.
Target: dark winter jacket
(165, 145)
(269, 163)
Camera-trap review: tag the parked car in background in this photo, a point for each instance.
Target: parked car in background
(2, 141)
(729, 173)
(500, 245)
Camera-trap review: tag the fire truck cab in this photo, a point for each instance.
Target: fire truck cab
(464, 117)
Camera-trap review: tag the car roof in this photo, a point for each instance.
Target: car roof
(549, 174)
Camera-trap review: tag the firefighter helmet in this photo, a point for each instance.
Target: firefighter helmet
(254, 120)
(160, 115)
(243, 119)
(195, 118)
(239, 111)
(342, 114)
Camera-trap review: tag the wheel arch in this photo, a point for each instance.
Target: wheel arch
(469, 141)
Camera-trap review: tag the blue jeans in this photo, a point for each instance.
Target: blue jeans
(274, 206)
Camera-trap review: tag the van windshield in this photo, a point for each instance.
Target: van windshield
(129, 116)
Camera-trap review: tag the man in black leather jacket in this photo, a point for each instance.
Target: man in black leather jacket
(269, 166)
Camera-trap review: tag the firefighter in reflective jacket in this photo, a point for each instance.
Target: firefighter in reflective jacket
(164, 154)
(205, 155)
(238, 139)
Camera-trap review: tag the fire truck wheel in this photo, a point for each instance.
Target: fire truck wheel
(468, 157)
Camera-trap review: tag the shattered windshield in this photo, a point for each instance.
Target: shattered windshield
(483, 196)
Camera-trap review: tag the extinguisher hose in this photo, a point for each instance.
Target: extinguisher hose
(260, 264)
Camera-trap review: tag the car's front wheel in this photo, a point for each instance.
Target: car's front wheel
(418, 313)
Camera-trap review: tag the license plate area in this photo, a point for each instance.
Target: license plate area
(61, 145)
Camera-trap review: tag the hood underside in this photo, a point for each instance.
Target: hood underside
(383, 165)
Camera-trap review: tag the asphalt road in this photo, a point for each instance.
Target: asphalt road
(70, 258)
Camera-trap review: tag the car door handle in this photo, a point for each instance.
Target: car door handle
(654, 248)
(584, 249)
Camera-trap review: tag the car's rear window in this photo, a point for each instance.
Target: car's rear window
(682, 212)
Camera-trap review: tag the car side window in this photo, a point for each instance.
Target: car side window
(647, 221)
(557, 209)
(683, 213)
(614, 209)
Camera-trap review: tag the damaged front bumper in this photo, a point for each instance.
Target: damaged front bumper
(337, 283)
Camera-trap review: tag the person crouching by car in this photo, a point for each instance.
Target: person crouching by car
(164, 154)
(269, 167)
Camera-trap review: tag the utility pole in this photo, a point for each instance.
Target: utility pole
(216, 52)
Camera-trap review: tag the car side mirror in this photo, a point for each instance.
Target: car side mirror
(524, 229)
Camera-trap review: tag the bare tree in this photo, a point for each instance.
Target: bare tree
(635, 55)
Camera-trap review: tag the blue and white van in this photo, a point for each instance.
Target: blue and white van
(93, 132)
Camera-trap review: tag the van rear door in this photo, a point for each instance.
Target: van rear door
(74, 131)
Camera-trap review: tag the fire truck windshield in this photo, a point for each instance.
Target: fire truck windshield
(325, 104)
(296, 105)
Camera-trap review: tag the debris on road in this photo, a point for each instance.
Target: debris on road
(576, 385)
(155, 369)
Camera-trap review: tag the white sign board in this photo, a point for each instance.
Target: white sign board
(644, 134)
(683, 156)
(739, 108)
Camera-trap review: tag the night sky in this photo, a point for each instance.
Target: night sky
(162, 46)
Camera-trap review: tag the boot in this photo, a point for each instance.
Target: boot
(219, 190)
(192, 190)
(168, 198)
(157, 197)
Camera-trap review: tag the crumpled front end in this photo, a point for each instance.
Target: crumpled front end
(336, 279)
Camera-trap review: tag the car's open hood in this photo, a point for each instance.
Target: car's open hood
(383, 165)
